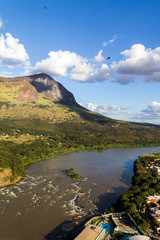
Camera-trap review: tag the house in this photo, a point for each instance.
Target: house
(91, 232)
(153, 199)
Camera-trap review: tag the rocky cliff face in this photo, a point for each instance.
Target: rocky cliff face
(45, 84)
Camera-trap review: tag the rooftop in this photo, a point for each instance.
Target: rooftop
(139, 237)
(91, 232)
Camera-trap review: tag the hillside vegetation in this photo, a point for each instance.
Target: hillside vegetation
(33, 127)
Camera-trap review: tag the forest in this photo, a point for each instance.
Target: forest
(52, 140)
(55, 139)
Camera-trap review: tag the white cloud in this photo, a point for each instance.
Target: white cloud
(153, 109)
(113, 39)
(1, 23)
(105, 43)
(150, 114)
(63, 63)
(83, 71)
(58, 62)
(138, 61)
(6, 74)
(101, 74)
(123, 78)
(107, 109)
(12, 53)
(99, 57)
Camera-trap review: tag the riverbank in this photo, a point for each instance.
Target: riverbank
(6, 177)
(60, 151)
(145, 182)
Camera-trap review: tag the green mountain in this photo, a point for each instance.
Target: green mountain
(40, 118)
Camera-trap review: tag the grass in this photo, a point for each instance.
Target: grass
(19, 138)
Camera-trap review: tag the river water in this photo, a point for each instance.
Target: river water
(34, 207)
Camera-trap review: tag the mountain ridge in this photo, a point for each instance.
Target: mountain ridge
(43, 84)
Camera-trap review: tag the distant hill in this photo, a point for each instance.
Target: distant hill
(39, 119)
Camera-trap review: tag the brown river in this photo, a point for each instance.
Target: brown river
(36, 205)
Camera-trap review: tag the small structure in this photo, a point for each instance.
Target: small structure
(153, 199)
(156, 170)
(139, 237)
(91, 232)
(124, 223)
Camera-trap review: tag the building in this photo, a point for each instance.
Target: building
(140, 237)
(91, 232)
(157, 170)
(125, 224)
(153, 199)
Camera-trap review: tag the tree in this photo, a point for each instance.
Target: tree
(144, 225)
(132, 208)
(135, 189)
(139, 201)
(76, 176)
(70, 171)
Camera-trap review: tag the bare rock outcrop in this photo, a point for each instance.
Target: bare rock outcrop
(50, 88)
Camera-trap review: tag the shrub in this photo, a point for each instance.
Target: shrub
(70, 171)
(76, 176)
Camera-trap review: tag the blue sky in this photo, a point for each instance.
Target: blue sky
(71, 41)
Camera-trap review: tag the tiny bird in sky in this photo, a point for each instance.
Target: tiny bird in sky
(108, 58)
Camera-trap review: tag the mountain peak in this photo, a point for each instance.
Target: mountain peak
(41, 75)
(52, 89)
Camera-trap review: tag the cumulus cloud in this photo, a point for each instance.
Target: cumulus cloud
(150, 114)
(1, 23)
(107, 109)
(64, 63)
(83, 71)
(138, 61)
(58, 62)
(12, 53)
(153, 107)
(99, 57)
(101, 74)
(123, 78)
(61, 63)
